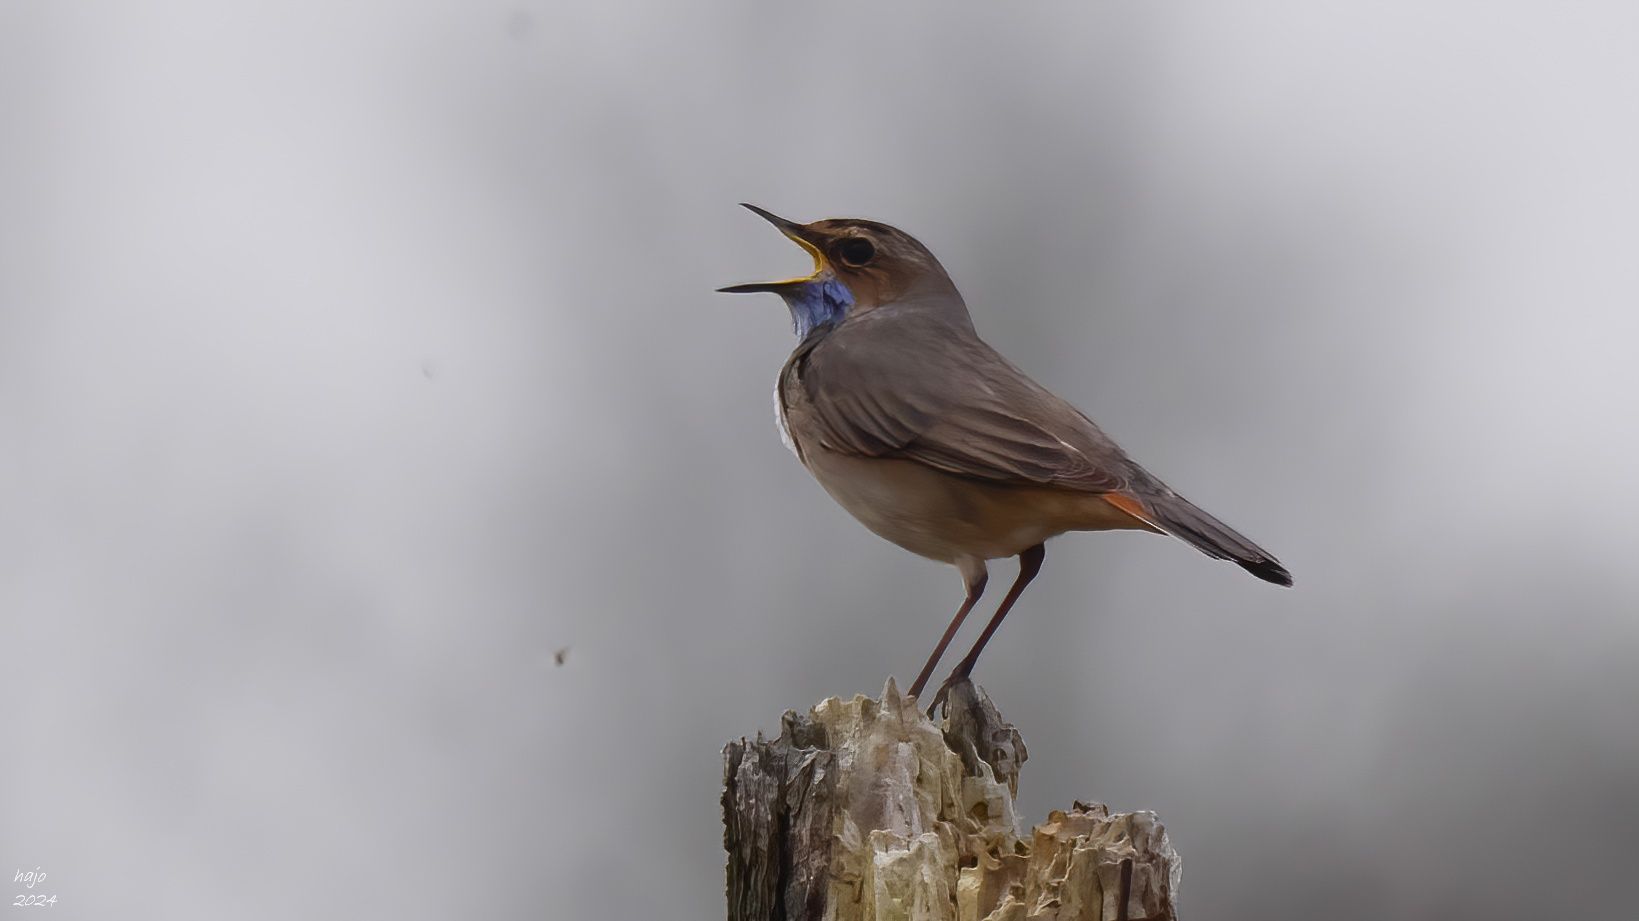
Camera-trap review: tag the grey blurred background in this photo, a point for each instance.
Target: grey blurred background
(355, 359)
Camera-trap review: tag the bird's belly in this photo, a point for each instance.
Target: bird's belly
(948, 518)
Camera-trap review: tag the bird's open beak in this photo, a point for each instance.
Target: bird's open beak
(798, 234)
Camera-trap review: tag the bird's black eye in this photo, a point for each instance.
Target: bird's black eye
(856, 251)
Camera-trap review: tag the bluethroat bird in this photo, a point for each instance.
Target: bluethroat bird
(936, 442)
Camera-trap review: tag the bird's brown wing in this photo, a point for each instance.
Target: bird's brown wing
(949, 401)
(943, 398)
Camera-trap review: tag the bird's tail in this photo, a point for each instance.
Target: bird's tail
(1182, 519)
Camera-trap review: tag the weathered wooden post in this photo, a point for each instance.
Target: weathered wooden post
(866, 810)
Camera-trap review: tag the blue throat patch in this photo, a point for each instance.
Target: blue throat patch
(820, 302)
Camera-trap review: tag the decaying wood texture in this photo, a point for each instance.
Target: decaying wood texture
(866, 810)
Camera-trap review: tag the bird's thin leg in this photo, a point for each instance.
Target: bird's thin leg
(1029, 564)
(974, 575)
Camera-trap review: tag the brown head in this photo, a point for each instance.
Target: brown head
(859, 265)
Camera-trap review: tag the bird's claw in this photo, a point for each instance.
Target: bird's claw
(939, 698)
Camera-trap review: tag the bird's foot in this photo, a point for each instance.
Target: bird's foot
(956, 678)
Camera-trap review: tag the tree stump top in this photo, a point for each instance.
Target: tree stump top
(867, 810)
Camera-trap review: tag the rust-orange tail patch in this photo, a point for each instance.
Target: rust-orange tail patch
(1131, 505)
